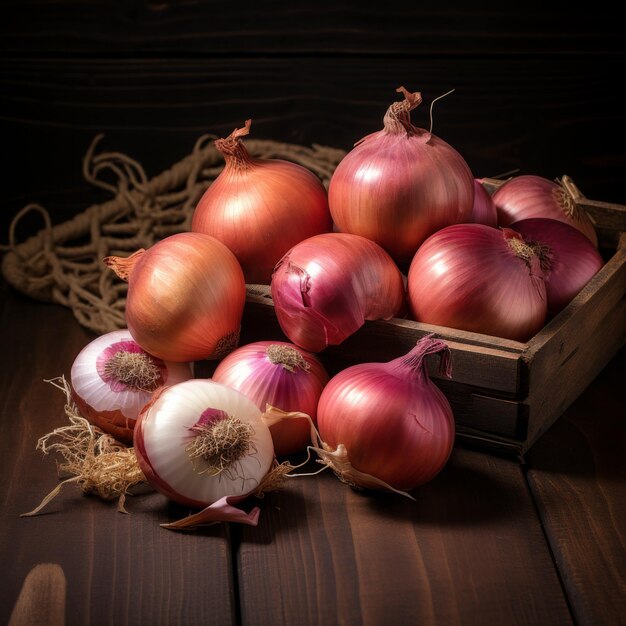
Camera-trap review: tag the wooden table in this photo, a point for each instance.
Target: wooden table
(489, 541)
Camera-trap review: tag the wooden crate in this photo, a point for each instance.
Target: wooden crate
(504, 393)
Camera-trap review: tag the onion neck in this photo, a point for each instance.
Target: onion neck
(414, 360)
(523, 251)
(232, 149)
(567, 202)
(398, 117)
(123, 266)
(219, 441)
(287, 357)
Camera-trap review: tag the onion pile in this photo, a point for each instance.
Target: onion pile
(493, 265)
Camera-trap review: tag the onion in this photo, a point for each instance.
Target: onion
(326, 286)
(281, 375)
(568, 259)
(185, 297)
(387, 425)
(529, 196)
(481, 279)
(199, 441)
(401, 184)
(484, 209)
(260, 208)
(112, 379)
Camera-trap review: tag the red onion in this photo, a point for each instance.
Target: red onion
(484, 209)
(401, 184)
(529, 196)
(326, 286)
(387, 424)
(260, 208)
(112, 379)
(568, 259)
(281, 375)
(185, 297)
(481, 279)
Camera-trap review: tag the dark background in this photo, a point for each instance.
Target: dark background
(538, 90)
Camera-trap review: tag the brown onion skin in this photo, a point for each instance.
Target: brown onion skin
(399, 185)
(186, 296)
(529, 196)
(467, 277)
(260, 208)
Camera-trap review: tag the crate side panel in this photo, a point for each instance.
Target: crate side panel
(564, 359)
(492, 369)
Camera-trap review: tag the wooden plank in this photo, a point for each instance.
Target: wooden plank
(118, 568)
(469, 550)
(152, 26)
(567, 354)
(578, 477)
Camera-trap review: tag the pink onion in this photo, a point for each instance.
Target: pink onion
(112, 378)
(481, 279)
(260, 208)
(568, 259)
(387, 424)
(484, 209)
(529, 196)
(185, 297)
(326, 286)
(281, 375)
(401, 184)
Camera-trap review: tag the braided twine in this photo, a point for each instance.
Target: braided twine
(63, 263)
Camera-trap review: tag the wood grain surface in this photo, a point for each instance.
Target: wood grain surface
(577, 476)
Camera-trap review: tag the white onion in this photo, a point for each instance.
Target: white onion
(163, 434)
(108, 402)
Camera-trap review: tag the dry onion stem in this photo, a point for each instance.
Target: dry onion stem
(97, 462)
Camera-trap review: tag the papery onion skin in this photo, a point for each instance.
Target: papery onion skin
(401, 184)
(395, 423)
(108, 404)
(325, 288)
(569, 260)
(528, 196)
(484, 210)
(467, 277)
(185, 299)
(163, 432)
(252, 370)
(260, 208)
